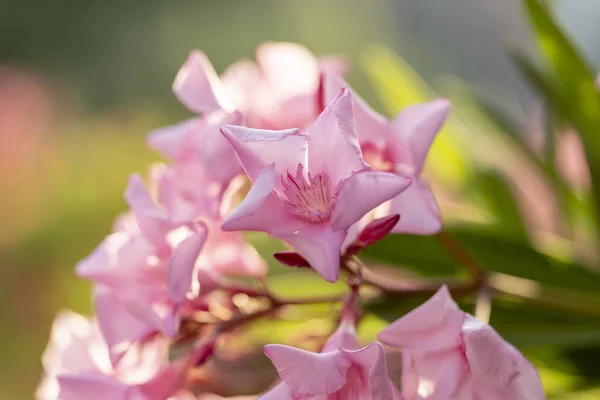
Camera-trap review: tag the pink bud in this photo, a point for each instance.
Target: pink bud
(374, 232)
(291, 259)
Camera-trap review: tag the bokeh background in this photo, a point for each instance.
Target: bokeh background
(82, 82)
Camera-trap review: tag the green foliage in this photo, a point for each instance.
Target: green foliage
(547, 300)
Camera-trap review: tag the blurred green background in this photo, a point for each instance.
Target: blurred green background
(82, 82)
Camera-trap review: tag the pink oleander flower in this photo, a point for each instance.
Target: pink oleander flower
(77, 366)
(150, 271)
(309, 189)
(448, 354)
(400, 146)
(278, 91)
(342, 370)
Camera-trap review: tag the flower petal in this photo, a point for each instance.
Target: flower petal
(257, 148)
(498, 365)
(198, 87)
(419, 213)
(91, 386)
(119, 257)
(290, 69)
(361, 193)
(416, 127)
(152, 221)
(372, 360)
(280, 392)
(119, 327)
(182, 275)
(309, 373)
(332, 145)
(320, 246)
(434, 325)
(262, 209)
(370, 125)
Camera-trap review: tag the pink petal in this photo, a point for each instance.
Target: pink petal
(169, 140)
(280, 392)
(227, 253)
(417, 126)
(320, 246)
(370, 125)
(333, 146)
(497, 364)
(119, 257)
(181, 278)
(152, 221)
(371, 359)
(334, 64)
(257, 148)
(309, 373)
(433, 326)
(242, 80)
(289, 68)
(435, 375)
(91, 386)
(361, 193)
(262, 209)
(119, 327)
(167, 382)
(419, 213)
(198, 87)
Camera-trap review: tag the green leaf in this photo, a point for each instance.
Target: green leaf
(494, 252)
(493, 190)
(570, 87)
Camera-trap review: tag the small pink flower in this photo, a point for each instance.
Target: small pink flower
(309, 189)
(77, 366)
(400, 146)
(447, 353)
(278, 91)
(342, 370)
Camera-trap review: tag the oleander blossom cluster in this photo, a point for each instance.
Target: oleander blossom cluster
(328, 177)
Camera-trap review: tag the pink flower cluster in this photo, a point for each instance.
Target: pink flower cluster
(322, 166)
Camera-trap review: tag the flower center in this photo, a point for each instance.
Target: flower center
(377, 158)
(309, 199)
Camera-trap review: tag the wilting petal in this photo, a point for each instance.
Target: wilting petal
(262, 209)
(497, 365)
(370, 126)
(320, 246)
(417, 126)
(198, 87)
(333, 146)
(92, 386)
(257, 148)
(361, 193)
(433, 326)
(309, 373)
(419, 213)
(181, 278)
